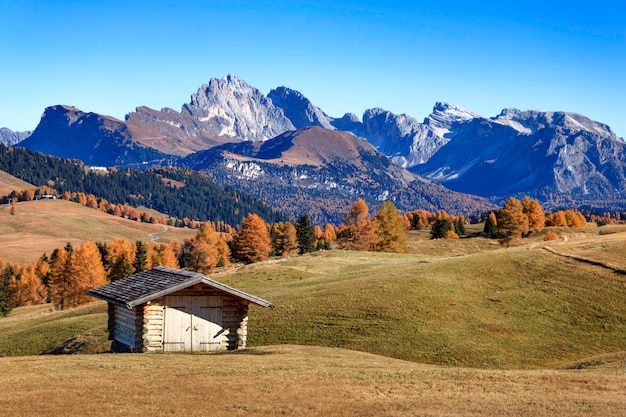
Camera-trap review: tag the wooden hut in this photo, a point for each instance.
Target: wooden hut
(171, 310)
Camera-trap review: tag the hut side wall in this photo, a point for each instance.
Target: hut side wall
(125, 326)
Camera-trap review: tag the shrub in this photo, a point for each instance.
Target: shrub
(550, 236)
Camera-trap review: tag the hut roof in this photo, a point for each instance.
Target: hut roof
(160, 281)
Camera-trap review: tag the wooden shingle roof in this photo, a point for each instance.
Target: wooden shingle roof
(160, 281)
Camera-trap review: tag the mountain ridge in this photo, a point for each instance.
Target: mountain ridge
(456, 147)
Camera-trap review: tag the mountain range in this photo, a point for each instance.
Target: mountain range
(281, 141)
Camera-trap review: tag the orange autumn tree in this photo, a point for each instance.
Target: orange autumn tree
(391, 230)
(86, 272)
(206, 251)
(29, 290)
(251, 242)
(512, 223)
(120, 258)
(284, 238)
(358, 232)
(168, 254)
(59, 284)
(534, 213)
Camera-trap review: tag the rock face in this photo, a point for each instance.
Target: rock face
(233, 108)
(299, 109)
(552, 155)
(9, 137)
(67, 132)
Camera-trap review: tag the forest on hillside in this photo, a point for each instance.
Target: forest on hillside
(180, 193)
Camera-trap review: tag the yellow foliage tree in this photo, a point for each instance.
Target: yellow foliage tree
(251, 242)
(358, 232)
(284, 238)
(168, 255)
(29, 290)
(534, 213)
(120, 258)
(59, 285)
(512, 223)
(391, 230)
(86, 272)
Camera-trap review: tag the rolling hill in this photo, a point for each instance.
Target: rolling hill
(42, 226)
(518, 331)
(9, 183)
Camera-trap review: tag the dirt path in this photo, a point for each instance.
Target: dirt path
(155, 237)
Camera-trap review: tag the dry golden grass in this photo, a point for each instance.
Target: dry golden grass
(9, 183)
(608, 248)
(42, 226)
(294, 380)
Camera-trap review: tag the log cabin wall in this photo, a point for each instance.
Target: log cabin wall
(126, 325)
(152, 326)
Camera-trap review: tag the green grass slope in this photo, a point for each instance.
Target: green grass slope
(517, 308)
(505, 308)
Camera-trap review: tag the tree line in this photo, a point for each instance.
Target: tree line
(63, 278)
(175, 192)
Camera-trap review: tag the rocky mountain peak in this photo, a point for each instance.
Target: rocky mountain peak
(232, 107)
(299, 109)
(444, 115)
(8, 137)
(533, 120)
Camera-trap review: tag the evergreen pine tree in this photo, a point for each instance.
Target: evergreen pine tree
(440, 228)
(491, 227)
(6, 293)
(141, 256)
(459, 227)
(305, 235)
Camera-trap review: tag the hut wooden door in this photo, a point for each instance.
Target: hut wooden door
(192, 323)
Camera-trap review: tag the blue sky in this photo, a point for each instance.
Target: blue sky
(345, 56)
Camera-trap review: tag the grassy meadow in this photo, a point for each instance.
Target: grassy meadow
(295, 381)
(9, 183)
(456, 327)
(41, 226)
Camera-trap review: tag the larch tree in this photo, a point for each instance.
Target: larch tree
(330, 234)
(284, 238)
(391, 231)
(358, 212)
(251, 242)
(206, 251)
(120, 258)
(60, 279)
(86, 272)
(202, 256)
(358, 232)
(168, 254)
(534, 213)
(512, 223)
(29, 290)
(152, 256)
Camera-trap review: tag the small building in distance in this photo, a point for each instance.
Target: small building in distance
(172, 310)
